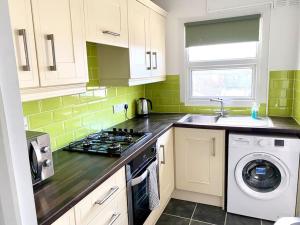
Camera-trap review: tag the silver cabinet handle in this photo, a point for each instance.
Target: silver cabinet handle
(164, 154)
(50, 37)
(139, 179)
(150, 63)
(155, 60)
(114, 217)
(214, 147)
(107, 196)
(111, 33)
(22, 32)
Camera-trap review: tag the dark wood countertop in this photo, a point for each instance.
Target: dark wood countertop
(77, 174)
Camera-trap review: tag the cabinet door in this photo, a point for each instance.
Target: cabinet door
(23, 37)
(166, 168)
(139, 39)
(67, 219)
(60, 41)
(106, 22)
(199, 161)
(158, 45)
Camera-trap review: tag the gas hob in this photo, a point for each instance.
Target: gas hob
(109, 142)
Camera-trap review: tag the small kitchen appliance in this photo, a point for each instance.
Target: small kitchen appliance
(109, 142)
(40, 156)
(143, 107)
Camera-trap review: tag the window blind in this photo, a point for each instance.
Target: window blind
(222, 31)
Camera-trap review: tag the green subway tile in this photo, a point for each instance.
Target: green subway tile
(62, 114)
(65, 139)
(283, 84)
(281, 112)
(31, 108)
(111, 92)
(281, 75)
(70, 100)
(50, 104)
(54, 129)
(40, 120)
(80, 109)
(73, 124)
(95, 106)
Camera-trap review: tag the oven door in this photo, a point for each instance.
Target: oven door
(138, 197)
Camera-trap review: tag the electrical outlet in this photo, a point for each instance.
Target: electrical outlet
(25, 123)
(119, 107)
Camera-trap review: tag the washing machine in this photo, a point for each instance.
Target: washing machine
(262, 175)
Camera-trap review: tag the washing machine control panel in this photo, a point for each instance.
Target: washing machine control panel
(279, 143)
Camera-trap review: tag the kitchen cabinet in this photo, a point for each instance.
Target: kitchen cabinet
(107, 204)
(158, 45)
(200, 160)
(67, 219)
(52, 60)
(144, 61)
(166, 174)
(23, 38)
(106, 22)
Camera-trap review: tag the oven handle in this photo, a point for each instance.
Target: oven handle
(139, 179)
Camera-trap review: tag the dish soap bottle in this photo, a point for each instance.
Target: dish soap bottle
(254, 110)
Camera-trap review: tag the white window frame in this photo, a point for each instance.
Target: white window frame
(261, 61)
(222, 64)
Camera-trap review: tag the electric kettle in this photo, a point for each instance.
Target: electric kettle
(143, 107)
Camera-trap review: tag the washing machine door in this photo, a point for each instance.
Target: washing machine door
(261, 175)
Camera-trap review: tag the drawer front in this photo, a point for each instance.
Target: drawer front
(114, 213)
(96, 201)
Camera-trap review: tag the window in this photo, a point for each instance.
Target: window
(222, 60)
(225, 70)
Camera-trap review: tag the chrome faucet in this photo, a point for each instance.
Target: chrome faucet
(222, 112)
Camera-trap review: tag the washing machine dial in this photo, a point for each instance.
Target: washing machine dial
(263, 142)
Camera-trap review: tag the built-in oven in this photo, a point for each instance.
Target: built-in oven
(137, 175)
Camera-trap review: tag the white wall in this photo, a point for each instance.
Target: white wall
(16, 193)
(284, 40)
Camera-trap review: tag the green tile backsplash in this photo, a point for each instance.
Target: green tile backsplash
(281, 93)
(68, 118)
(296, 106)
(166, 98)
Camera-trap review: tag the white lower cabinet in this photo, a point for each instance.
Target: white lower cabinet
(107, 204)
(200, 160)
(166, 174)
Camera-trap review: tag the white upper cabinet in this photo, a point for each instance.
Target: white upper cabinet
(139, 40)
(50, 47)
(158, 45)
(106, 22)
(60, 41)
(23, 37)
(218, 5)
(144, 61)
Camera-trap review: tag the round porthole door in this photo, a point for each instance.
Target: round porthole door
(261, 175)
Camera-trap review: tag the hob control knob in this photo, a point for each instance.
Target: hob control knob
(45, 149)
(131, 131)
(126, 130)
(114, 129)
(47, 163)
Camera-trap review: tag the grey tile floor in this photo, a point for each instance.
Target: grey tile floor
(180, 212)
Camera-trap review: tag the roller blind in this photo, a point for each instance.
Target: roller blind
(222, 31)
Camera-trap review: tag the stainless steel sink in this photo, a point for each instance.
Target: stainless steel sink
(199, 119)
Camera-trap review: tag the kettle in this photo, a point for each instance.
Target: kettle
(143, 107)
